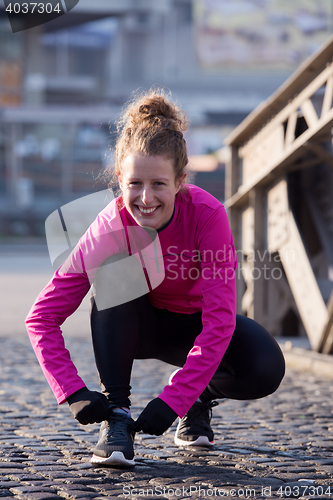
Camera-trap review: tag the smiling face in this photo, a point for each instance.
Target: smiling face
(149, 188)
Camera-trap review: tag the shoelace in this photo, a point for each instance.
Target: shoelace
(200, 412)
(117, 426)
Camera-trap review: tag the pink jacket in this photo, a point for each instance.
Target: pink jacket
(199, 260)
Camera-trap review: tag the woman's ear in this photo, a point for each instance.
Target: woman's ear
(179, 182)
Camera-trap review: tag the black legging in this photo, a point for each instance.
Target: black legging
(252, 367)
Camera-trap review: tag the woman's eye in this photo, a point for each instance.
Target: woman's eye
(137, 183)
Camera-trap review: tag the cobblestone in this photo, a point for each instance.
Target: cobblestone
(277, 447)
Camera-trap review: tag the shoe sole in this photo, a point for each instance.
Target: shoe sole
(172, 375)
(117, 459)
(200, 441)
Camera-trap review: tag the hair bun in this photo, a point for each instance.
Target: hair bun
(153, 108)
(157, 107)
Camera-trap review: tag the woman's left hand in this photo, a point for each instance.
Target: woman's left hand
(156, 418)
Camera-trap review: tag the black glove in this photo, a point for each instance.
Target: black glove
(156, 418)
(89, 407)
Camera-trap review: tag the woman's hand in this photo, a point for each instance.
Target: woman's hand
(156, 418)
(89, 407)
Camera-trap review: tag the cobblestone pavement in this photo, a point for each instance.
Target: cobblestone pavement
(277, 447)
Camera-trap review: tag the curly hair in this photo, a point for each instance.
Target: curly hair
(153, 125)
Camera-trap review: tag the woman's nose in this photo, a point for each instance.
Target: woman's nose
(147, 196)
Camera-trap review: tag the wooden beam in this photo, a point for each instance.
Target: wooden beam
(291, 127)
(287, 158)
(290, 107)
(309, 113)
(247, 298)
(303, 284)
(279, 99)
(277, 216)
(247, 253)
(326, 345)
(328, 96)
(248, 231)
(235, 221)
(270, 144)
(283, 235)
(232, 173)
(258, 203)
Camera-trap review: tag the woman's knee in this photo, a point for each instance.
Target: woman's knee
(269, 375)
(256, 357)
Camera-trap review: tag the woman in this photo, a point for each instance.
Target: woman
(187, 318)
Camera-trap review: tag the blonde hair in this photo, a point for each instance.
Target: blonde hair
(153, 125)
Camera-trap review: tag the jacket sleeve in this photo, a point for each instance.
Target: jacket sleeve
(60, 298)
(56, 302)
(218, 280)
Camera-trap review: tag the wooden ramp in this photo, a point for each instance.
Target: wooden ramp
(279, 191)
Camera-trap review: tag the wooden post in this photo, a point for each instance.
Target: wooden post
(258, 203)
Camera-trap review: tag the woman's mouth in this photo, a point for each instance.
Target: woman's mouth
(147, 210)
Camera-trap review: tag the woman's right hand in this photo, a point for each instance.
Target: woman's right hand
(89, 407)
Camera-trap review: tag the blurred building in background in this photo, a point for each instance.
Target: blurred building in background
(63, 84)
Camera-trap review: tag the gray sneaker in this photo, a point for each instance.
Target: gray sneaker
(115, 444)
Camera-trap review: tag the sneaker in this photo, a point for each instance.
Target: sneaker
(194, 428)
(115, 444)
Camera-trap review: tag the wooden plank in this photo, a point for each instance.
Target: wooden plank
(328, 97)
(258, 203)
(247, 265)
(247, 298)
(287, 157)
(283, 235)
(309, 113)
(255, 159)
(326, 345)
(232, 181)
(291, 127)
(234, 216)
(273, 105)
(248, 231)
(283, 116)
(277, 216)
(247, 302)
(303, 284)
